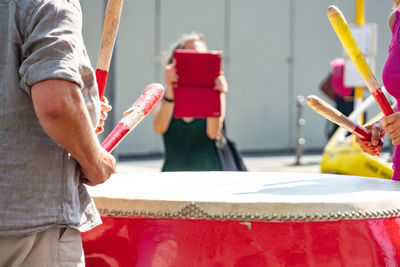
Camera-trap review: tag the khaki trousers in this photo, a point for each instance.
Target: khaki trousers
(53, 247)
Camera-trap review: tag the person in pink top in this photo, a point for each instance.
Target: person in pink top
(333, 86)
(391, 79)
(337, 78)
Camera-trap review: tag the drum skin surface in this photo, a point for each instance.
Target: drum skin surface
(354, 231)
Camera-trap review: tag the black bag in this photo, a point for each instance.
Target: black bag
(229, 155)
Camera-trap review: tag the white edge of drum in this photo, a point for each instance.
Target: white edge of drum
(268, 194)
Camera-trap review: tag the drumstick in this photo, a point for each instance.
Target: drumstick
(335, 116)
(110, 29)
(134, 115)
(346, 37)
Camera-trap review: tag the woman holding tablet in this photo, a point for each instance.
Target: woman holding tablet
(189, 142)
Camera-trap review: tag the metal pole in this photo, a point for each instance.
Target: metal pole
(360, 12)
(359, 91)
(300, 141)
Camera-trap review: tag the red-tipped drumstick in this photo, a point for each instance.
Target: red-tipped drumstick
(349, 43)
(335, 116)
(110, 29)
(135, 114)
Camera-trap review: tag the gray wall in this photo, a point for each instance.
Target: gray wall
(274, 50)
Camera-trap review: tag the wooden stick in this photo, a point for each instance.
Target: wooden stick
(346, 37)
(335, 116)
(110, 29)
(134, 115)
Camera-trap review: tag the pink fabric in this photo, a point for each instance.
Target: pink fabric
(337, 78)
(391, 80)
(396, 165)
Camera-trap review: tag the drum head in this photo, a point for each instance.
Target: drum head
(247, 195)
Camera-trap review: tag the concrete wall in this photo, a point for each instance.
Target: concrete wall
(274, 50)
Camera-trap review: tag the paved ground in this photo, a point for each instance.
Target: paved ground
(275, 163)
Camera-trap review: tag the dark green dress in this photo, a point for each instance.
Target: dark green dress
(188, 148)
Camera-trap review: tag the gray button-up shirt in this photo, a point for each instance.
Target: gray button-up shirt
(39, 181)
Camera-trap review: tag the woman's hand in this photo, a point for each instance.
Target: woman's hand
(372, 147)
(170, 78)
(391, 124)
(221, 84)
(105, 107)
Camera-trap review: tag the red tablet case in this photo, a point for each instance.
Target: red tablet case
(194, 94)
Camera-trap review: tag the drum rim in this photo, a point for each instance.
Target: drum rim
(195, 210)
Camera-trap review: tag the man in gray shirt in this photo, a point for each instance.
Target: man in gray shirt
(49, 108)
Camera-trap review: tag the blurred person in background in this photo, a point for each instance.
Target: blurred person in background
(189, 142)
(333, 87)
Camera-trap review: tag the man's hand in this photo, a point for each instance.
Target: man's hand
(372, 147)
(99, 171)
(391, 124)
(105, 107)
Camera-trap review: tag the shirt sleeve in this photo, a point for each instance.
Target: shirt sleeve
(53, 44)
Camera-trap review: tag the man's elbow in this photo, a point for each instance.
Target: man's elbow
(52, 111)
(53, 99)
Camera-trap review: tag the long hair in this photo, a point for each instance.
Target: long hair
(181, 42)
(396, 3)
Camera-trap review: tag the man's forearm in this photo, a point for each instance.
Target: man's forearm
(60, 108)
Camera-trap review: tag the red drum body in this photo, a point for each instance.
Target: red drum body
(245, 219)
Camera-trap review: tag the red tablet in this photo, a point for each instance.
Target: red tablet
(194, 94)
